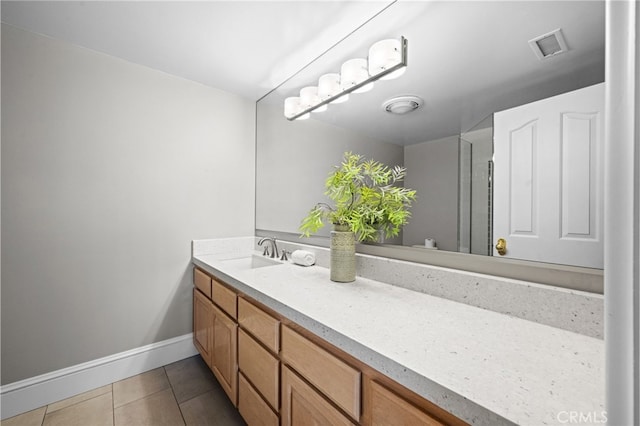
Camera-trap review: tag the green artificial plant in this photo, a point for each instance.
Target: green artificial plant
(366, 199)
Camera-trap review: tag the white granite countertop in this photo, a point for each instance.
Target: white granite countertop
(482, 366)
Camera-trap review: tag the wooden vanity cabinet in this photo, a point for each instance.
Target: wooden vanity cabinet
(387, 408)
(278, 373)
(225, 338)
(225, 298)
(225, 359)
(259, 364)
(303, 405)
(261, 325)
(202, 281)
(336, 379)
(203, 326)
(215, 331)
(253, 409)
(316, 374)
(260, 367)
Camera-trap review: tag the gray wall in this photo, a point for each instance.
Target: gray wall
(109, 169)
(432, 170)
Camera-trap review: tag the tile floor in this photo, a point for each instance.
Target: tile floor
(182, 393)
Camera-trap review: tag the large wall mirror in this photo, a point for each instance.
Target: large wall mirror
(466, 61)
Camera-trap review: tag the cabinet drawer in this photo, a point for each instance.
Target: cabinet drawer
(252, 407)
(261, 325)
(337, 380)
(224, 298)
(260, 367)
(388, 408)
(303, 405)
(202, 282)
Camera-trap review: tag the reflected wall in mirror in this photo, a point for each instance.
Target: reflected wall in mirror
(466, 60)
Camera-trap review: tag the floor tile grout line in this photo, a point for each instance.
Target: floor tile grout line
(113, 407)
(75, 403)
(174, 396)
(142, 397)
(46, 407)
(196, 396)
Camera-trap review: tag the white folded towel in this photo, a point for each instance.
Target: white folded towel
(303, 257)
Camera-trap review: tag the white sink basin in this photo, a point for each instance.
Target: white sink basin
(250, 262)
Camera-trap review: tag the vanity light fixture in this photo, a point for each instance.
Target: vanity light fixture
(329, 87)
(387, 60)
(353, 73)
(384, 55)
(292, 107)
(309, 98)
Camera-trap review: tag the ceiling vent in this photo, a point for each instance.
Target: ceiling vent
(402, 104)
(548, 45)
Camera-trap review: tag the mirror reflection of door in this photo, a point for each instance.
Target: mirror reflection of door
(548, 191)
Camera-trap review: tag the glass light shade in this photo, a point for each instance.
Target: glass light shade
(354, 72)
(364, 88)
(341, 99)
(386, 54)
(309, 98)
(329, 86)
(292, 107)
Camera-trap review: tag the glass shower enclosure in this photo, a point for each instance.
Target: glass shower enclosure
(475, 189)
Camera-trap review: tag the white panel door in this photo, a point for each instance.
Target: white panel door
(548, 187)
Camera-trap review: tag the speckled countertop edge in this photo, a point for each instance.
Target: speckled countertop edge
(388, 327)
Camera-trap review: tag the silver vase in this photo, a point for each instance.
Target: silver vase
(343, 254)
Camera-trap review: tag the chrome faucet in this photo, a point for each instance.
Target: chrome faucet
(274, 247)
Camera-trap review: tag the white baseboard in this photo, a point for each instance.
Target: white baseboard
(25, 395)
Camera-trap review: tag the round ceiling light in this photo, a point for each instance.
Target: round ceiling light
(402, 104)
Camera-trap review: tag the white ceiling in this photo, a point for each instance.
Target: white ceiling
(466, 59)
(244, 47)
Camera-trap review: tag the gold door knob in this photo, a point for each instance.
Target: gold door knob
(501, 246)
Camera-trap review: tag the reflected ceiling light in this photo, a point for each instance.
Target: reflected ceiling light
(387, 60)
(353, 73)
(309, 99)
(293, 108)
(402, 104)
(329, 87)
(384, 55)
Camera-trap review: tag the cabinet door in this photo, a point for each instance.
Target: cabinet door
(302, 405)
(388, 409)
(203, 325)
(225, 361)
(252, 407)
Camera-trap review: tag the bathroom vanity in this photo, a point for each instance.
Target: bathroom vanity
(289, 346)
